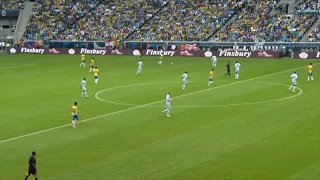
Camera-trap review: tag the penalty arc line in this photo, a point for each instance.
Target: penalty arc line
(199, 106)
(146, 105)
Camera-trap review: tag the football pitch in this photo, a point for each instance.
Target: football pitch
(251, 129)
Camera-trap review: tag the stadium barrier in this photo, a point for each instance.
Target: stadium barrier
(148, 52)
(307, 55)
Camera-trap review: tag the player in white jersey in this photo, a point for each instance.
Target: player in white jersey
(168, 105)
(83, 86)
(237, 67)
(184, 80)
(214, 61)
(294, 78)
(139, 67)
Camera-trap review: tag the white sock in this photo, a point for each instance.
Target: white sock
(81, 64)
(90, 70)
(308, 78)
(73, 124)
(209, 83)
(165, 110)
(96, 81)
(86, 94)
(290, 87)
(183, 86)
(294, 87)
(160, 62)
(82, 94)
(311, 78)
(168, 111)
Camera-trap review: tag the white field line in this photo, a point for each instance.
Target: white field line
(13, 67)
(148, 104)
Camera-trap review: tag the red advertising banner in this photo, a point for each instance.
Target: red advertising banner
(306, 55)
(148, 52)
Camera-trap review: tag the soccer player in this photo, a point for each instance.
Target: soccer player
(210, 78)
(168, 104)
(294, 78)
(92, 64)
(237, 67)
(83, 60)
(74, 114)
(228, 69)
(184, 80)
(139, 67)
(96, 74)
(214, 61)
(32, 167)
(83, 86)
(161, 57)
(310, 75)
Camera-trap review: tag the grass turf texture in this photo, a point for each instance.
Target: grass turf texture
(268, 141)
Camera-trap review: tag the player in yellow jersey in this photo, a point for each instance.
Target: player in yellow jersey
(161, 57)
(83, 60)
(91, 64)
(310, 71)
(210, 78)
(96, 75)
(74, 114)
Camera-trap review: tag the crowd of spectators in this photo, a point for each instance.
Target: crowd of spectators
(50, 18)
(188, 20)
(314, 36)
(256, 24)
(114, 20)
(11, 4)
(309, 6)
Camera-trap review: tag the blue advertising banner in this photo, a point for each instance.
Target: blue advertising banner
(10, 13)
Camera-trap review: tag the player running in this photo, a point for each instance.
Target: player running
(96, 75)
(139, 67)
(74, 114)
(91, 64)
(228, 69)
(294, 78)
(83, 60)
(83, 86)
(168, 105)
(310, 70)
(237, 67)
(214, 61)
(210, 78)
(184, 80)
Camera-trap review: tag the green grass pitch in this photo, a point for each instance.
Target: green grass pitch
(251, 129)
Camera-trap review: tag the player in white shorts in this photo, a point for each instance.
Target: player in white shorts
(214, 61)
(184, 80)
(139, 67)
(83, 86)
(168, 105)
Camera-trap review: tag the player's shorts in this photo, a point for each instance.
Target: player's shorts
(185, 82)
(228, 70)
(32, 171)
(294, 83)
(75, 117)
(96, 77)
(211, 79)
(237, 71)
(168, 105)
(84, 89)
(92, 67)
(310, 74)
(83, 61)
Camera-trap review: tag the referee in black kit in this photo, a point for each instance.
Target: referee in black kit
(228, 69)
(32, 167)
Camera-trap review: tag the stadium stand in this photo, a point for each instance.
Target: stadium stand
(114, 19)
(255, 24)
(11, 4)
(51, 18)
(187, 20)
(314, 36)
(308, 5)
